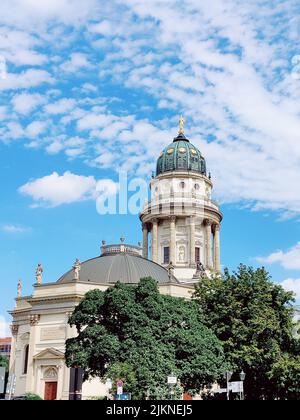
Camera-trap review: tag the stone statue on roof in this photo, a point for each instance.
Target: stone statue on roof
(39, 274)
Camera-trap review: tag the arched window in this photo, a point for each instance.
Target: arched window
(26, 354)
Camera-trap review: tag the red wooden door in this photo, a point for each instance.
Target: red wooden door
(50, 391)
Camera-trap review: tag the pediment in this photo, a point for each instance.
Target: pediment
(49, 353)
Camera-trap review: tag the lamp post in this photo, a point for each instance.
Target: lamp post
(242, 378)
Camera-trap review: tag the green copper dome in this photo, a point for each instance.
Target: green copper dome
(181, 155)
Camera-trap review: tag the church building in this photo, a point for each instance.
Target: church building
(181, 243)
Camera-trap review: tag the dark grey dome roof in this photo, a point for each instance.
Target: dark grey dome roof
(181, 155)
(123, 267)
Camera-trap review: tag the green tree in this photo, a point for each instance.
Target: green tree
(252, 317)
(4, 362)
(142, 335)
(285, 374)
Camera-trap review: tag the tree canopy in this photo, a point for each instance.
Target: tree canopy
(142, 336)
(252, 317)
(4, 362)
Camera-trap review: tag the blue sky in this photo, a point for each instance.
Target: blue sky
(91, 88)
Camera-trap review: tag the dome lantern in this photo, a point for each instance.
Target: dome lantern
(181, 155)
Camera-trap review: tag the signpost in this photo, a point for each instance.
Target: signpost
(172, 381)
(236, 386)
(220, 390)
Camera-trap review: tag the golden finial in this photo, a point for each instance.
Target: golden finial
(181, 124)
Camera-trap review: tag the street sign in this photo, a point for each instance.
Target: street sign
(236, 386)
(220, 390)
(172, 380)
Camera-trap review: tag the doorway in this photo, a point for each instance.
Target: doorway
(50, 391)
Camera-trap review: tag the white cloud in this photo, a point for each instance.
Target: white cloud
(14, 131)
(14, 229)
(76, 62)
(25, 103)
(105, 160)
(61, 106)
(75, 152)
(289, 259)
(292, 285)
(89, 87)
(54, 147)
(27, 79)
(54, 190)
(93, 121)
(31, 14)
(35, 128)
(4, 328)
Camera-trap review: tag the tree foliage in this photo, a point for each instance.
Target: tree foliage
(32, 397)
(4, 362)
(252, 317)
(143, 336)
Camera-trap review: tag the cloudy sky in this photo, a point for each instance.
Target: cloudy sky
(91, 88)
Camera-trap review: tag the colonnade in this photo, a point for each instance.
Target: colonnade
(212, 242)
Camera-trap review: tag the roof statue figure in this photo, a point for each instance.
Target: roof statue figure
(181, 125)
(170, 269)
(76, 269)
(19, 288)
(39, 274)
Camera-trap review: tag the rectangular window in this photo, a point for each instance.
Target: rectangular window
(197, 254)
(166, 255)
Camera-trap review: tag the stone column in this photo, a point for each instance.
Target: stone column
(154, 241)
(145, 240)
(30, 377)
(217, 262)
(209, 262)
(14, 341)
(192, 242)
(173, 239)
(70, 333)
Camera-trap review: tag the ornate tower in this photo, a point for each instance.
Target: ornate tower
(181, 217)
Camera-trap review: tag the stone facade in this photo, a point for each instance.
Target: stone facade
(40, 329)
